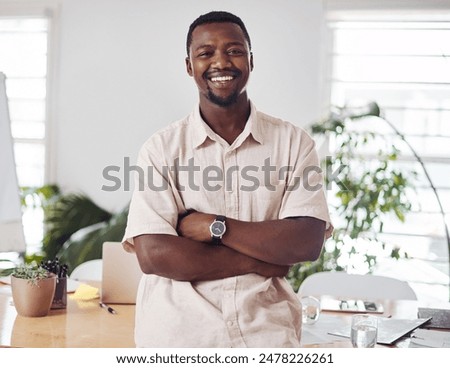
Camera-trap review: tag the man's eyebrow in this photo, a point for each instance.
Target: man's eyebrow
(204, 46)
(236, 43)
(232, 43)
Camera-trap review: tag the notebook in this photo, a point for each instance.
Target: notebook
(121, 274)
(440, 318)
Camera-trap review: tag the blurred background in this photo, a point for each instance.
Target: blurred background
(88, 81)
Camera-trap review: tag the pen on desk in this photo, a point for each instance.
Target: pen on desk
(107, 307)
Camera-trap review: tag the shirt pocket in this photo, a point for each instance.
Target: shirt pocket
(262, 204)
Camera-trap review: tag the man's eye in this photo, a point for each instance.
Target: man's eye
(236, 52)
(205, 54)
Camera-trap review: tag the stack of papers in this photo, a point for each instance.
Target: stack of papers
(430, 339)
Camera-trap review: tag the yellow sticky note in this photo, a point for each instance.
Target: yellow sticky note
(85, 292)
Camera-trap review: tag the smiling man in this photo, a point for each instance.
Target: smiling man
(242, 202)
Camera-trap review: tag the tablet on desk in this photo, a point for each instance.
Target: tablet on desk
(350, 305)
(389, 329)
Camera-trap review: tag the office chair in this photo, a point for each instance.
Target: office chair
(349, 286)
(88, 271)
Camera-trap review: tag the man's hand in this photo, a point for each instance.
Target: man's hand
(195, 226)
(329, 232)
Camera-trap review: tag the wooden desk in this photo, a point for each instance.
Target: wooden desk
(81, 325)
(85, 325)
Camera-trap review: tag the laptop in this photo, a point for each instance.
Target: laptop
(120, 276)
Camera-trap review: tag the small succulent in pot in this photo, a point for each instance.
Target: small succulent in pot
(33, 289)
(31, 272)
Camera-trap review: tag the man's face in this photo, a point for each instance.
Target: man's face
(220, 62)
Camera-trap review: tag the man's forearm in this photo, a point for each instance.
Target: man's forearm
(283, 242)
(184, 259)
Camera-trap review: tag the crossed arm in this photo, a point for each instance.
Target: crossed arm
(267, 248)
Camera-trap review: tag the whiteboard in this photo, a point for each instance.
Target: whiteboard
(11, 230)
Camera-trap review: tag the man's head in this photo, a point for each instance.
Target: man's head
(219, 58)
(216, 17)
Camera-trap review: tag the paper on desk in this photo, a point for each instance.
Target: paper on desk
(430, 338)
(72, 285)
(317, 333)
(85, 292)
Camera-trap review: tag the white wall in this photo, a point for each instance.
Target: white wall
(121, 76)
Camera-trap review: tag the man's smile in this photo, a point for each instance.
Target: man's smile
(225, 78)
(222, 79)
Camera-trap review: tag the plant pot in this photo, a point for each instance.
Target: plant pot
(33, 300)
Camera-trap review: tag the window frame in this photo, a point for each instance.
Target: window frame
(51, 10)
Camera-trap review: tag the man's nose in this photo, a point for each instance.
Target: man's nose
(221, 60)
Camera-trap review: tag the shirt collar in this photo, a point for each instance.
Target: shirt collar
(202, 131)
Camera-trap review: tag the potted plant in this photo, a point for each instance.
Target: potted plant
(367, 193)
(33, 288)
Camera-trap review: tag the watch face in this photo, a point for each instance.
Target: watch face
(217, 228)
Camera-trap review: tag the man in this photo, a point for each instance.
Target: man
(230, 199)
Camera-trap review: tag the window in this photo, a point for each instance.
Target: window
(404, 65)
(24, 50)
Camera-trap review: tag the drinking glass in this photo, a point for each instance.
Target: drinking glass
(364, 331)
(310, 309)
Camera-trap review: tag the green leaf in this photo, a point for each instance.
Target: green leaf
(86, 243)
(66, 215)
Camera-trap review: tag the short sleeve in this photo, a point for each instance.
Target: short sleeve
(153, 208)
(305, 195)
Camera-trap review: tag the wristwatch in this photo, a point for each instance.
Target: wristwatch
(217, 229)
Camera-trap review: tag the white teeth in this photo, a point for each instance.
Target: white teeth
(221, 79)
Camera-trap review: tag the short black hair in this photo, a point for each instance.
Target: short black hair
(216, 17)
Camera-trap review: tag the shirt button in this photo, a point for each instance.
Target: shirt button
(230, 323)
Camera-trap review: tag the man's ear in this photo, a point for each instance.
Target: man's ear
(251, 61)
(188, 66)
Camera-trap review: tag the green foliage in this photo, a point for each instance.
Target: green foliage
(38, 196)
(86, 243)
(8, 270)
(367, 193)
(327, 261)
(37, 258)
(75, 227)
(31, 272)
(65, 215)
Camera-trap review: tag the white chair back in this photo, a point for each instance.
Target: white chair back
(88, 271)
(346, 286)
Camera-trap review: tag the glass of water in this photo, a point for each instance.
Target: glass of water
(310, 309)
(364, 331)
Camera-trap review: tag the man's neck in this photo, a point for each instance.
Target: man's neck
(228, 122)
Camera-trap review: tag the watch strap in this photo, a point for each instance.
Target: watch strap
(220, 218)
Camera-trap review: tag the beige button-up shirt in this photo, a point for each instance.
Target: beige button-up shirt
(269, 172)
